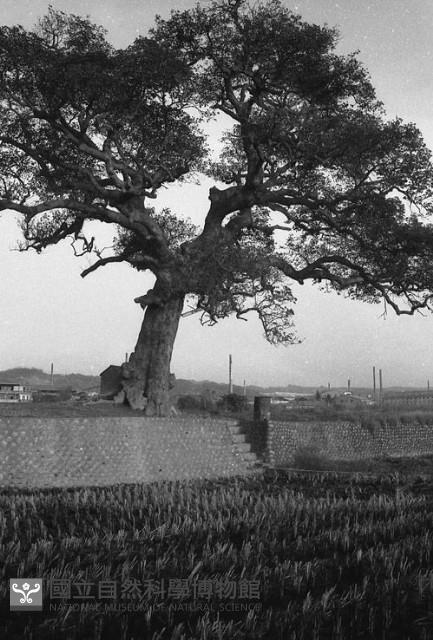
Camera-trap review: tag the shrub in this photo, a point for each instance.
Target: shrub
(370, 423)
(393, 420)
(233, 402)
(190, 403)
(309, 457)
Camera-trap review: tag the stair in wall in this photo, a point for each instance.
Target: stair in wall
(241, 447)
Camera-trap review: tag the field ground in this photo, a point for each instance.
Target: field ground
(332, 556)
(345, 553)
(68, 409)
(406, 466)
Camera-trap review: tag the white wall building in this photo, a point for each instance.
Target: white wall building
(14, 392)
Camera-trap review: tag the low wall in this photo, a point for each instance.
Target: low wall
(101, 451)
(338, 440)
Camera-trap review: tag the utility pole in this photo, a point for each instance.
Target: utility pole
(428, 385)
(374, 383)
(52, 374)
(380, 385)
(230, 375)
(245, 390)
(348, 384)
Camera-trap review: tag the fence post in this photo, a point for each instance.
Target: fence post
(262, 408)
(262, 417)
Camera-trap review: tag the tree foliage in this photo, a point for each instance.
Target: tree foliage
(314, 183)
(311, 142)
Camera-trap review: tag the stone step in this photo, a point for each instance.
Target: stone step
(235, 428)
(238, 437)
(250, 456)
(253, 471)
(242, 447)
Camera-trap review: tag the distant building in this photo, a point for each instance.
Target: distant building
(111, 381)
(304, 402)
(284, 397)
(14, 392)
(52, 394)
(280, 400)
(348, 400)
(408, 399)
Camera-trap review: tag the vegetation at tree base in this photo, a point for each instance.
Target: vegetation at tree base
(335, 557)
(191, 404)
(92, 133)
(231, 403)
(234, 403)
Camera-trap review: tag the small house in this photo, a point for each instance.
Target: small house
(111, 381)
(305, 402)
(347, 400)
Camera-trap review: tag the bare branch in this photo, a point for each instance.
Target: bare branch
(87, 244)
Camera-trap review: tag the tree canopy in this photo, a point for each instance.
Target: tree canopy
(313, 183)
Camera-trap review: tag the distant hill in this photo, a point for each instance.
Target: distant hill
(194, 387)
(37, 378)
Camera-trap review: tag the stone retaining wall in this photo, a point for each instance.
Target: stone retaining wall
(340, 440)
(58, 452)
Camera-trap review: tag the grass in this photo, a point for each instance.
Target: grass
(67, 409)
(336, 557)
(370, 417)
(310, 458)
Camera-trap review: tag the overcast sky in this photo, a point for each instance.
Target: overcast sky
(50, 314)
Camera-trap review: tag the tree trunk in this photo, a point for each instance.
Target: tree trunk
(146, 377)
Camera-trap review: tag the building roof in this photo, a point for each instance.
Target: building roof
(111, 366)
(15, 384)
(52, 389)
(422, 393)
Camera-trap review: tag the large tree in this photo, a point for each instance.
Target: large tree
(314, 183)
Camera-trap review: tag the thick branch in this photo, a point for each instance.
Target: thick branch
(227, 201)
(149, 298)
(101, 263)
(30, 211)
(144, 261)
(318, 270)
